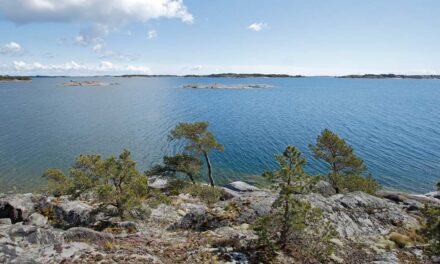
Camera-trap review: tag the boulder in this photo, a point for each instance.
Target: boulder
(324, 188)
(165, 214)
(30, 244)
(435, 195)
(5, 221)
(200, 219)
(252, 205)
(157, 182)
(17, 207)
(74, 213)
(239, 186)
(400, 197)
(36, 219)
(26, 235)
(359, 214)
(237, 237)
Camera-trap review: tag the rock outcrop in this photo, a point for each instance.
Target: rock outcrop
(39, 229)
(16, 207)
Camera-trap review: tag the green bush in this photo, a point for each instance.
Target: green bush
(116, 181)
(205, 193)
(352, 183)
(308, 237)
(293, 226)
(431, 230)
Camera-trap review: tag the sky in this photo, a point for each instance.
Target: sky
(320, 37)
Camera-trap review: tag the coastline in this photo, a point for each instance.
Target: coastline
(188, 230)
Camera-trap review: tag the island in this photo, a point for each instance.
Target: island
(245, 75)
(227, 86)
(389, 76)
(219, 75)
(88, 83)
(8, 78)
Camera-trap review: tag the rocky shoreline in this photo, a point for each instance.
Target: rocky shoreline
(88, 83)
(36, 228)
(227, 86)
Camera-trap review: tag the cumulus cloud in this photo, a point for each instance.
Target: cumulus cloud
(74, 68)
(197, 68)
(11, 48)
(152, 34)
(109, 12)
(258, 26)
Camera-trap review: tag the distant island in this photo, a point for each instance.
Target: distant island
(88, 83)
(222, 75)
(389, 76)
(14, 78)
(227, 86)
(246, 75)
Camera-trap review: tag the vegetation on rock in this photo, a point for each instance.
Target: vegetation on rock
(345, 168)
(116, 181)
(199, 141)
(294, 225)
(431, 230)
(14, 78)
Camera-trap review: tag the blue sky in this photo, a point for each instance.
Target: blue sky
(320, 37)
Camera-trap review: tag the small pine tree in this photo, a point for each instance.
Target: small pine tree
(294, 222)
(345, 167)
(199, 140)
(116, 181)
(289, 179)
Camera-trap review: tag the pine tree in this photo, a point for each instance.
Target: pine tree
(290, 179)
(182, 163)
(345, 167)
(199, 140)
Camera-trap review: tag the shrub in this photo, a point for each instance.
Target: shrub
(116, 181)
(351, 183)
(294, 225)
(205, 193)
(431, 230)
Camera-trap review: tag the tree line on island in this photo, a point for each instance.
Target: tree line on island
(293, 224)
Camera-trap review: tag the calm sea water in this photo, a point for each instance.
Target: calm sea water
(394, 125)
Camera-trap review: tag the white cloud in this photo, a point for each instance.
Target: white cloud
(152, 34)
(258, 26)
(197, 68)
(11, 48)
(108, 12)
(74, 68)
(92, 35)
(97, 48)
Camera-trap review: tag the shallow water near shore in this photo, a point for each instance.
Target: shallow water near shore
(394, 125)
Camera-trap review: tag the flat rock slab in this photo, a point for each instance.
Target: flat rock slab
(239, 186)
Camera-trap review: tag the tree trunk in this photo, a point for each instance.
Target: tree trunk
(191, 178)
(285, 229)
(211, 180)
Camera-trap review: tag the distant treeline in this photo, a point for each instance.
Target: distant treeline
(224, 75)
(14, 78)
(390, 76)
